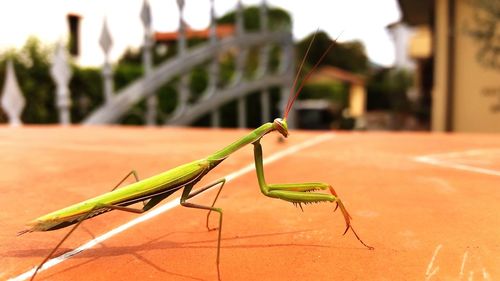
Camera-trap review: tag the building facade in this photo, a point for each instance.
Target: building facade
(464, 78)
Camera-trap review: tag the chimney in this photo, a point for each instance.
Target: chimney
(74, 34)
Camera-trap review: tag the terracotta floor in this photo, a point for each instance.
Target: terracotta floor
(428, 203)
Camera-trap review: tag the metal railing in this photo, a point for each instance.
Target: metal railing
(179, 67)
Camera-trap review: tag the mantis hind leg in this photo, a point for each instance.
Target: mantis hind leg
(80, 220)
(136, 177)
(186, 194)
(86, 216)
(221, 181)
(133, 172)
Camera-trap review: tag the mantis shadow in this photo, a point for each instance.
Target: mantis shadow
(160, 243)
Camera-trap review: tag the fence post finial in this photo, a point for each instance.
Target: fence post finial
(264, 16)
(240, 22)
(146, 15)
(61, 74)
(147, 62)
(183, 86)
(12, 98)
(214, 67)
(213, 23)
(106, 42)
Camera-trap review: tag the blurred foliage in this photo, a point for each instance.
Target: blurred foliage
(31, 64)
(350, 56)
(482, 26)
(86, 92)
(279, 19)
(387, 90)
(32, 67)
(198, 78)
(334, 91)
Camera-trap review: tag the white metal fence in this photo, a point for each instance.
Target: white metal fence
(117, 104)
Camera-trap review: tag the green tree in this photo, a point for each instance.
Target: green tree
(279, 19)
(32, 67)
(349, 56)
(387, 90)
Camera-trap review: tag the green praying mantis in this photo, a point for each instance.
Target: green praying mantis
(153, 190)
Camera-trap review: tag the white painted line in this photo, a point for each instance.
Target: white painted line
(437, 160)
(486, 275)
(471, 275)
(428, 272)
(467, 153)
(171, 204)
(434, 272)
(464, 259)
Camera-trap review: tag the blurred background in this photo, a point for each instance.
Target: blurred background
(396, 64)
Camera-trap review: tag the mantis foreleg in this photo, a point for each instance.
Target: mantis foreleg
(299, 193)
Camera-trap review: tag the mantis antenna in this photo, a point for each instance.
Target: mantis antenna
(293, 95)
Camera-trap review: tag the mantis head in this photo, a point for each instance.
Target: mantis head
(281, 126)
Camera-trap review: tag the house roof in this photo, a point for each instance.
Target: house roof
(334, 73)
(223, 30)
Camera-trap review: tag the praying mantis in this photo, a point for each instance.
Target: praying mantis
(151, 191)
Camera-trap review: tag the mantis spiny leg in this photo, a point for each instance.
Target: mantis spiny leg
(299, 193)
